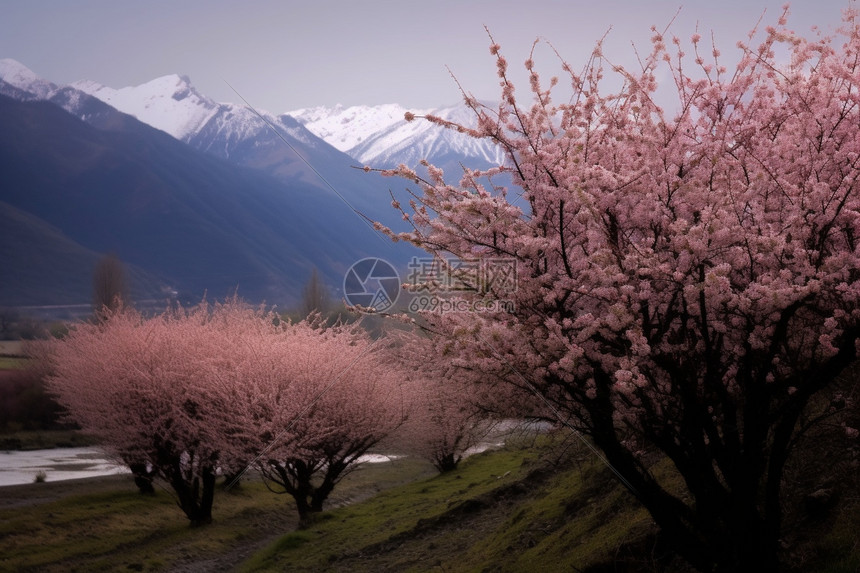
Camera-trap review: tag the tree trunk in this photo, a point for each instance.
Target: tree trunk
(142, 477)
(446, 463)
(207, 496)
(745, 542)
(304, 509)
(196, 498)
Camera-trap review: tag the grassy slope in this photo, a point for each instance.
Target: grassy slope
(510, 510)
(522, 508)
(119, 529)
(105, 525)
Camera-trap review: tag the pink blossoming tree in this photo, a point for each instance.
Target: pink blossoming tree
(448, 413)
(142, 387)
(314, 399)
(190, 393)
(689, 278)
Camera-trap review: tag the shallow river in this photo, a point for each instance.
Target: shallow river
(58, 464)
(73, 463)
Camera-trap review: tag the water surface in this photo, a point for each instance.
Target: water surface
(58, 464)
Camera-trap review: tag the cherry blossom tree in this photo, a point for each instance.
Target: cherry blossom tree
(313, 401)
(448, 414)
(443, 425)
(193, 392)
(141, 386)
(687, 277)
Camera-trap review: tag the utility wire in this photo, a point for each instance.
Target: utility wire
(277, 132)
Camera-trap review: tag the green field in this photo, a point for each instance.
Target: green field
(531, 506)
(103, 524)
(12, 362)
(43, 439)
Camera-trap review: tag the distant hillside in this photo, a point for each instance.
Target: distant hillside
(33, 254)
(198, 223)
(278, 145)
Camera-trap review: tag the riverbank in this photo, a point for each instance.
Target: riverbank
(103, 524)
(27, 440)
(55, 464)
(33, 494)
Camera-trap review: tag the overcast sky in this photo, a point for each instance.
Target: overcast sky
(284, 54)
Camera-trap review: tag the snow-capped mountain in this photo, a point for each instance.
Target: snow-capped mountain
(169, 103)
(378, 136)
(20, 77)
(207, 197)
(203, 195)
(22, 84)
(381, 137)
(278, 145)
(347, 128)
(372, 135)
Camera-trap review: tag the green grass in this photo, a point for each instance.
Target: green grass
(13, 362)
(500, 511)
(522, 508)
(44, 439)
(581, 519)
(119, 529)
(114, 530)
(514, 510)
(352, 529)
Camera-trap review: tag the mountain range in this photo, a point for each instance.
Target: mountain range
(381, 137)
(196, 197)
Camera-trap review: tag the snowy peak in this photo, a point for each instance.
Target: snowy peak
(346, 128)
(380, 135)
(20, 76)
(169, 103)
(372, 135)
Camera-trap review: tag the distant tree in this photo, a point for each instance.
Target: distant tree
(144, 388)
(109, 284)
(315, 295)
(9, 318)
(189, 393)
(688, 279)
(316, 398)
(24, 402)
(447, 415)
(16, 326)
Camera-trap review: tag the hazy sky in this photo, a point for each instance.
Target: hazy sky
(285, 54)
